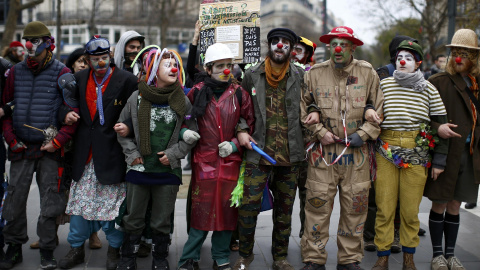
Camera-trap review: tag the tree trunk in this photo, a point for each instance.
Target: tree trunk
(59, 28)
(11, 24)
(92, 28)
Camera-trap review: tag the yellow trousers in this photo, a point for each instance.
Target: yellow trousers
(405, 185)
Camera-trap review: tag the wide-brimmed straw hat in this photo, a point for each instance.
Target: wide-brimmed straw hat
(465, 38)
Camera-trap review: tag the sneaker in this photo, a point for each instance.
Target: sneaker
(47, 261)
(74, 257)
(369, 246)
(396, 247)
(12, 256)
(421, 232)
(454, 263)
(282, 265)
(225, 266)
(242, 263)
(350, 266)
(439, 263)
(190, 264)
(313, 266)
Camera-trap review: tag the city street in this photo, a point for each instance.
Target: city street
(467, 249)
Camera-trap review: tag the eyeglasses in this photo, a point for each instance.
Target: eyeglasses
(97, 45)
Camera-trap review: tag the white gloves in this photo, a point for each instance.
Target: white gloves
(190, 136)
(225, 149)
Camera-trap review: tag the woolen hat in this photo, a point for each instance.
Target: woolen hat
(341, 32)
(412, 47)
(465, 38)
(283, 33)
(16, 44)
(36, 29)
(73, 57)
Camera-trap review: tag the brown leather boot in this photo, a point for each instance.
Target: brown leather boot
(94, 242)
(381, 264)
(408, 263)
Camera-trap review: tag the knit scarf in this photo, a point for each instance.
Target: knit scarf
(37, 67)
(474, 89)
(275, 77)
(172, 95)
(415, 80)
(206, 93)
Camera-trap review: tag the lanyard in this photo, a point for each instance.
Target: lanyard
(347, 143)
(99, 95)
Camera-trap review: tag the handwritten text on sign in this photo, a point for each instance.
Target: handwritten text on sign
(236, 24)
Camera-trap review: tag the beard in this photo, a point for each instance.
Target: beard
(464, 68)
(278, 59)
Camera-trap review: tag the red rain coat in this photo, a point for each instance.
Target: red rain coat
(214, 177)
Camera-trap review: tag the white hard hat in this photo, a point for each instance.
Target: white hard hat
(218, 51)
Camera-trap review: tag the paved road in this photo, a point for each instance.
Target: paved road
(468, 245)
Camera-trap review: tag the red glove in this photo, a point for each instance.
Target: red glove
(17, 147)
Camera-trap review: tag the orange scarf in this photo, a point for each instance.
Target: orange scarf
(474, 89)
(274, 77)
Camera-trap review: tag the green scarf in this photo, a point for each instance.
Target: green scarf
(172, 95)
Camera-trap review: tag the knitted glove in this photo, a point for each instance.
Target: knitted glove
(190, 136)
(355, 140)
(225, 149)
(17, 147)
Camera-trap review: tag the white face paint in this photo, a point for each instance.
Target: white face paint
(299, 50)
(280, 48)
(165, 75)
(219, 70)
(406, 58)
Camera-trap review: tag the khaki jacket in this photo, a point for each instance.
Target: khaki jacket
(332, 91)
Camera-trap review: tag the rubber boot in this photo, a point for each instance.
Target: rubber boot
(128, 252)
(160, 251)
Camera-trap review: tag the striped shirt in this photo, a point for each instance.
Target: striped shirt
(404, 108)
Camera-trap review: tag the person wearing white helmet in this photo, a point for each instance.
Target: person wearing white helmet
(218, 104)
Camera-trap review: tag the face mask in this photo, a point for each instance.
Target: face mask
(341, 51)
(405, 62)
(222, 70)
(35, 46)
(299, 53)
(100, 64)
(279, 50)
(167, 73)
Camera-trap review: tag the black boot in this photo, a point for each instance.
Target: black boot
(47, 261)
(128, 252)
(12, 256)
(160, 251)
(113, 254)
(74, 256)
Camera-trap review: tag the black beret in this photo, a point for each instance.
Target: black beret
(73, 57)
(283, 33)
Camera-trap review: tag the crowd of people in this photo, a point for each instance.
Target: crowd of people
(105, 134)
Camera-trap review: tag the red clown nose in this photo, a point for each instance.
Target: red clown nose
(338, 49)
(226, 71)
(402, 62)
(174, 70)
(29, 45)
(279, 45)
(458, 60)
(294, 53)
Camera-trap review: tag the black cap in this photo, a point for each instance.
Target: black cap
(392, 47)
(283, 33)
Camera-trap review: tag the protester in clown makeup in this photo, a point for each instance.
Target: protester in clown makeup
(217, 98)
(163, 133)
(98, 187)
(403, 150)
(458, 88)
(338, 93)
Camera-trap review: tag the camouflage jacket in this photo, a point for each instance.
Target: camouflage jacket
(255, 83)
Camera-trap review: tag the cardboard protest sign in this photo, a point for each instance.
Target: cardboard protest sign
(234, 23)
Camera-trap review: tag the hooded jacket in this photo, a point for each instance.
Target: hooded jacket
(119, 55)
